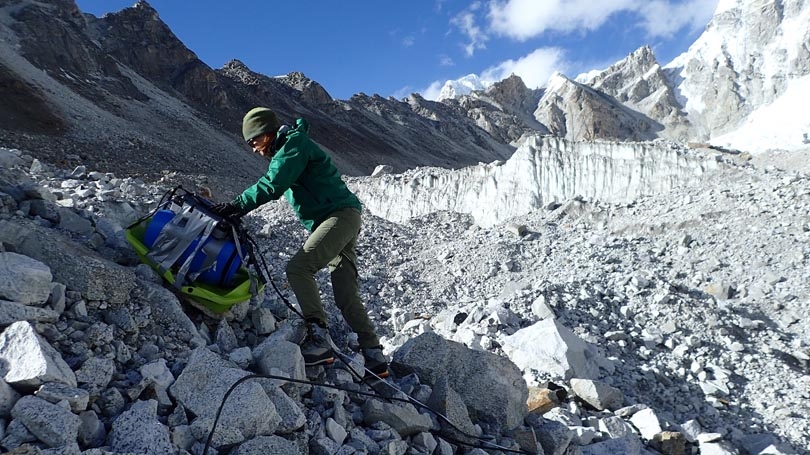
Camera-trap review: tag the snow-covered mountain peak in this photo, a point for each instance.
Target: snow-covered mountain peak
(556, 82)
(462, 86)
(744, 61)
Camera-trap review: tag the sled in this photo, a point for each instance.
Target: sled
(209, 267)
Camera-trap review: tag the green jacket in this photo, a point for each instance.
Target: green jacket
(307, 178)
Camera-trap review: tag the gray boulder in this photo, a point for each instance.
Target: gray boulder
(628, 445)
(138, 431)
(292, 418)
(70, 262)
(402, 417)
(280, 356)
(450, 404)
(491, 386)
(96, 373)
(11, 312)
(200, 388)
(23, 279)
(166, 311)
(267, 445)
(28, 360)
(549, 346)
(50, 423)
(55, 392)
(598, 394)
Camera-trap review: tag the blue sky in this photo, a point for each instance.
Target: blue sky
(394, 48)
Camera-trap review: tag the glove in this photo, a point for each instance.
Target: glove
(227, 210)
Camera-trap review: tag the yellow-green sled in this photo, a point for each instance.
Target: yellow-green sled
(214, 298)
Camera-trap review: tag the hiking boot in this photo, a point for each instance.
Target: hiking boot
(375, 362)
(316, 348)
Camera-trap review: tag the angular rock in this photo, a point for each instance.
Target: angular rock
(671, 442)
(763, 443)
(292, 418)
(323, 446)
(70, 262)
(201, 387)
(242, 357)
(23, 279)
(56, 300)
(263, 321)
(541, 400)
(137, 430)
(491, 386)
(96, 373)
(55, 392)
(183, 437)
(425, 442)
(50, 423)
(691, 430)
(10, 158)
(91, 430)
(161, 378)
(335, 431)
(361, 440)
(27, 360)
(267, 445)
(541, 309)
(70, 221)
(167, 312)
(449, 403)
(717, 448)
(397, 447)
(225, 337)
(550, 347)
(47, 210)
(280, 356)
(615, 427)
(647, 423)
(627, 445)
(597, 394)
(554, 437)
(16, 434)
(402, 417)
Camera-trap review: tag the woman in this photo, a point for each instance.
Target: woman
(305, 175)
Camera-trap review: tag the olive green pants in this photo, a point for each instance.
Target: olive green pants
(332, 243)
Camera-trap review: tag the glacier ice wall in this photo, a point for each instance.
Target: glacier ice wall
(542, 170)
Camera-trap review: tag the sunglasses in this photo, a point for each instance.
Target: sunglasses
(253, 141)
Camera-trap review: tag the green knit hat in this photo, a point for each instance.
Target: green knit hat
(258, 121)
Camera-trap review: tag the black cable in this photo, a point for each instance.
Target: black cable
(259, 256)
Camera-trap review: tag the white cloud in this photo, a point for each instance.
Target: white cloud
(408, 41)
(445, 60)
(476, 36)
(662, 18)
(525, 19)
(432, 91)
(534, 68)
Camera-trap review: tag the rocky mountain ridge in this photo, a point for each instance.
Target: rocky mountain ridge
(140, 102)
